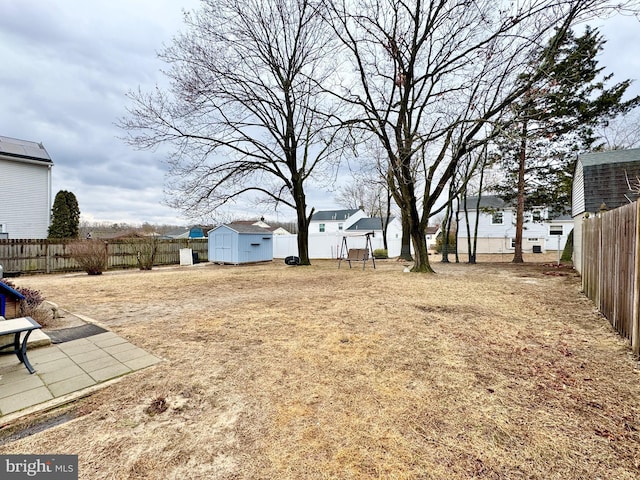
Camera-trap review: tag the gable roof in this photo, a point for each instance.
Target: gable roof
(23, 150)
(7, 290)
(612, 156)
(245, 228)
(368, 224)
(487, 201)
(333, 215)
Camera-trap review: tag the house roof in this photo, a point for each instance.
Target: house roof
(368, 224)
(333, 215)
(612, 156)
(7, 290)
(244, 228)
(432, 230)
(23, 149)
(487, 201)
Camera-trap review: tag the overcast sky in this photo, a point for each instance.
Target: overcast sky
(67, 65)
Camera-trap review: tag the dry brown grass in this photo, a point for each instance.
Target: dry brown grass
(275, 372)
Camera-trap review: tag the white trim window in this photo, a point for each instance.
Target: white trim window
(556, 230)
(321, 228)
(497, 218)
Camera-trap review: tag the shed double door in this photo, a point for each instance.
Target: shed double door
(222, 247)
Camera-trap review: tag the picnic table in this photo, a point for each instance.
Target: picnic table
(17, 326)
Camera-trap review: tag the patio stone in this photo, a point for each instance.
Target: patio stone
(23, 400)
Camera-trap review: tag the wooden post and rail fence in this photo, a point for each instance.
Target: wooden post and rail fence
(53, 256)
(611, 268)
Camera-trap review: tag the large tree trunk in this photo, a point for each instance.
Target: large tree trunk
(303, 224)
(419, 240)
(522, 156)
(405, 248)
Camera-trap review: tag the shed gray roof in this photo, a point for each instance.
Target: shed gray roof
(367, 224)
(13, 147)
(612, 156)
(244, 228)
(337, 215)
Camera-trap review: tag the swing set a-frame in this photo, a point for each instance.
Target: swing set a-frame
(357, 254)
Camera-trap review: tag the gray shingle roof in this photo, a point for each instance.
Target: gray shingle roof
(13, 147)
(367, 224)
(244, 228)
(613, 156)
(336, 215)
(487, 201)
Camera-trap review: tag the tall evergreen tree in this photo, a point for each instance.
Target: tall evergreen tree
(65, 216)
(553, 122)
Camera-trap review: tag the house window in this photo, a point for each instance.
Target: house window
(556, 230)
(496, 218)
(513, 243)
(537, 215)
(340, 226)
(321, 227)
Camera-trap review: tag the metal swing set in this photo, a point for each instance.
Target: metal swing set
(357, 254)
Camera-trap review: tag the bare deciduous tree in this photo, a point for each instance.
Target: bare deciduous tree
(247, 111)
(621, 133)
(370, 191)
(431, 78)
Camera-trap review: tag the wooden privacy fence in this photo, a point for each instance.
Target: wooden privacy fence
(48, 256)
(611, 268)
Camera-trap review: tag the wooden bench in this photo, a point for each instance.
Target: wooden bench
(17, 326)
(356, 255)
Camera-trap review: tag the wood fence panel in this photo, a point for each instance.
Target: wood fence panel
(48, 256)
(610, 277)
(591, 253)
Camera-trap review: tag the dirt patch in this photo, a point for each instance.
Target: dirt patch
(493, 370)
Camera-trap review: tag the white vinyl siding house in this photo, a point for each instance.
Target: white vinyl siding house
(328, 228)
(25, 189)
(334, 221)
(497, 228)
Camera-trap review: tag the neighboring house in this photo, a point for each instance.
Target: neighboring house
(602, 180)
(328, 228)
(238, 242)
(497, 228)
(431, 234)
(334, 221)
(25, 189)
(193, 232)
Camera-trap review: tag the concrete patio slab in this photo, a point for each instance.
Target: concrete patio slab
(65, 370)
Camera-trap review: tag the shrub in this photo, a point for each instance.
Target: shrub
(440, 241)
(32, 298)
(146, 249)
(381, 253)
(91, 255)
